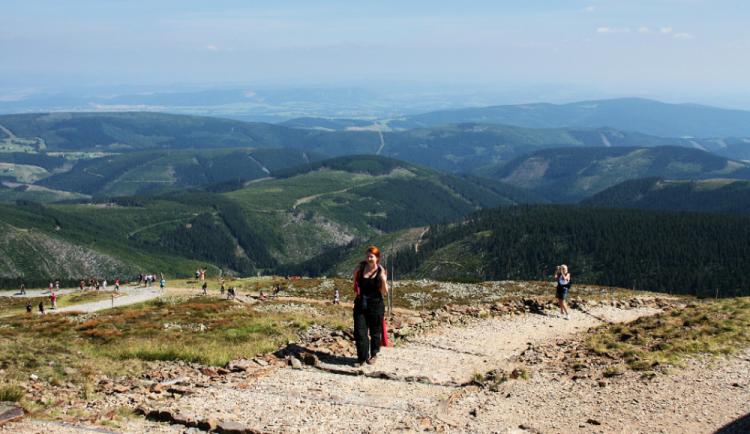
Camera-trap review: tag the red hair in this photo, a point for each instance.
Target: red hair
(375, 251)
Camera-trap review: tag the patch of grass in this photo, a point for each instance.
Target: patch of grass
(11, 393)
(712, 327)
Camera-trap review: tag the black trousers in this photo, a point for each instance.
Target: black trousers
(369, 319)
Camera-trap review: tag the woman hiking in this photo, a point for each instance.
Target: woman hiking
(563, 286)
(371, 285)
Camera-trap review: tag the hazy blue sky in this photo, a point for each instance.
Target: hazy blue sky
(691, 46)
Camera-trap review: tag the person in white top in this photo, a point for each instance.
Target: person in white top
(563, 286)
(104, 285)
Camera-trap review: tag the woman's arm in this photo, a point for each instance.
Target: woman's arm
(383, 284)
(354, 281)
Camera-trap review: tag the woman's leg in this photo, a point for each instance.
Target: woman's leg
(376, 311)
(360, 333)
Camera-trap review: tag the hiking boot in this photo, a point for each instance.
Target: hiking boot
(372, 360)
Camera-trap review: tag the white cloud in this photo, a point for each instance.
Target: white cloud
(613, 30)
(590, 9)
(211, 47)
(666, 30)
(683, 35)
(643, 29)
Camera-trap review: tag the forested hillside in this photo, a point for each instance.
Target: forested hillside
(569, 174)
(714, 195)
(676, 253)
(241, 228)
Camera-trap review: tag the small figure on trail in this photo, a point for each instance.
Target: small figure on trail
(336, 297)
(205, 288)
(23, 290)
(262, 297)
(98, 285)
(91, 284)
(117, 285)
(162, 275)
(163, 283)
(223, 288)
(231, 293)
(287, 277)
(28, 307)
(57, 285)
(203, 274)
(197, 274)
(104, 285)
(140, 279)
(53, 298)
(563, 286)
(276, 291)
(41, 307)
(83, 284)
(370, 285)
(51, 287)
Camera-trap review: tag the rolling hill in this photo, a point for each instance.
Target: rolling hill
(450, 148)
(147, 171)
(712, 195)
(567, 175)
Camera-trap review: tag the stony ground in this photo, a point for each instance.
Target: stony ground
(433, 380)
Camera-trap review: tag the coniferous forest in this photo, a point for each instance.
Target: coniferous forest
(670, 252)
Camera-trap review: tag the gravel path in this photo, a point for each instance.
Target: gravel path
(135, 294)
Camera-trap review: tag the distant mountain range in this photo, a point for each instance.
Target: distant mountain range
(712, 195)
(626, 114)
(566, 175)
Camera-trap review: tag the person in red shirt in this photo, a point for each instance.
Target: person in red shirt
(117, 285)
(53, 297)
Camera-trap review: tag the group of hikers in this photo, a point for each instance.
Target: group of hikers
(150, 279)
(95, 284)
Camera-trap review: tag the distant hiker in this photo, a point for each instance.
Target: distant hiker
(83, 284)
(91, 283)
(203, 274)
(371, 285)
(276, 291)
(53, 298)
(57, 285)
(98, 285)
(287, 277)
(140, 278)
(163, 283)
(231, 293)
(117, 285)
(104, 285)
(262, 297)
(563, 286)
(23, 290)
(197, 274)
(336, 297)
(162, 275)
(28, 307)
(41, 307)
(51, 287)
(223, 288)
(205, 288)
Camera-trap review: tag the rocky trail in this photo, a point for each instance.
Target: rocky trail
(435, 380)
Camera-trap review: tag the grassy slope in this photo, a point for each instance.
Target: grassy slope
(568, 175)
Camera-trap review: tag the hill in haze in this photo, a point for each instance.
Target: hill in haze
(710, 195)
(625, 114)
(568, 174)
